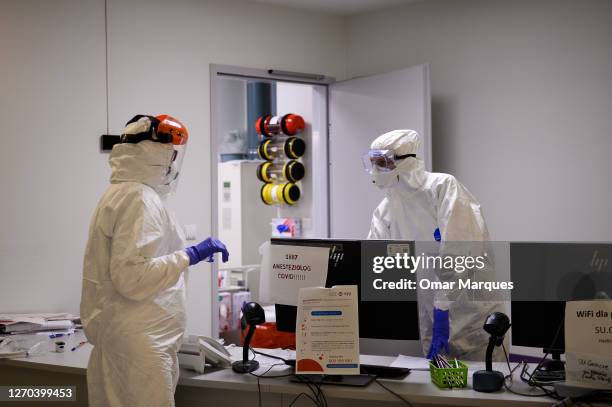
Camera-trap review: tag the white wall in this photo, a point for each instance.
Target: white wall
(522, 97)
(53, 111)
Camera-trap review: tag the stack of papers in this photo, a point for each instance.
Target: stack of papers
(30, 323)
(411, 362)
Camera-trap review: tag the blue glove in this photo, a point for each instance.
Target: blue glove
(441, 331)
(205, 251)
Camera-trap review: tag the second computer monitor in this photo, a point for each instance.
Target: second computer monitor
(545, 276)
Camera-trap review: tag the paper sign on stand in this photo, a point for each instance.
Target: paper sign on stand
(588, 343)
(327, 331)
(285, 269)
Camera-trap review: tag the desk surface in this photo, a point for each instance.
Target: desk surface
(416, 387)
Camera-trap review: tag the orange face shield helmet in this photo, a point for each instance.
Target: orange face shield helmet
(170, 130)
(162, 129)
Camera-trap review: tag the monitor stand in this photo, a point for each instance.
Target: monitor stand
(555, 364)
(551, 370)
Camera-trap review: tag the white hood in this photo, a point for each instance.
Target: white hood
(412, 174)
(147, 162)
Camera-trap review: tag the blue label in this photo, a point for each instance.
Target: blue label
(325, 313)
(437, 235)
(341, 365)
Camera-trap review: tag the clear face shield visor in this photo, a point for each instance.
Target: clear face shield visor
(377, 161)
(175, 166)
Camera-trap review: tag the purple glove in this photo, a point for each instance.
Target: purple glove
(441, 332)
(205, 251)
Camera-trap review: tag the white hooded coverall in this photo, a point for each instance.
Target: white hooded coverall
(418, 204)
(133, 297)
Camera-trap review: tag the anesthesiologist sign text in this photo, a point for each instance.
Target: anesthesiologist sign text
(285, 269)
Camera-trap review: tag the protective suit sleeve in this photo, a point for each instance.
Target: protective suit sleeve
(135, 272)
(379, 228)
(462, 227)
(459, 215)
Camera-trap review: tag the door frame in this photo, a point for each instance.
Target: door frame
(270, 75)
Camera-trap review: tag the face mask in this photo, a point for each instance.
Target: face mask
(386, 179)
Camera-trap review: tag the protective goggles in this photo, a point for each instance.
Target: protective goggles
(382, 160)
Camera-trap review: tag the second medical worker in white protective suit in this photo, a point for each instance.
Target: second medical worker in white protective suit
(133, 297)
(423, 206)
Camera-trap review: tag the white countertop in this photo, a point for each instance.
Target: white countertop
(416, 387)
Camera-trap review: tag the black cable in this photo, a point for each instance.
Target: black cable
(510, 370)
(394, 393)
(545, 391)
(531, 381)
(510, 374)
(268, 355)
(319, 396)
(322, 394)
(520, 394)
(302, 394)
(259, 392)
(547, 353)
(263, 376)
(316, 394)
(540, 386)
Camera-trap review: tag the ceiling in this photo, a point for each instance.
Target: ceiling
(337, 7)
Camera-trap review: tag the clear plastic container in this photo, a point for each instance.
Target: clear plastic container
(290, 148)
(291, 171)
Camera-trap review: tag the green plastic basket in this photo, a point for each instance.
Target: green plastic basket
(446, 378)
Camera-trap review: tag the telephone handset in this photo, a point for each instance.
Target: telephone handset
(215, 352)
(196, 351)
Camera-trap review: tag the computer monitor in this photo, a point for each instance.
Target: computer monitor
(385, 327)
(535, 324)
(545, 276)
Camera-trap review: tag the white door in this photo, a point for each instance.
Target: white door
(360, 110)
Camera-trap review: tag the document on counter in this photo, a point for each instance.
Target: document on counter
(411, 362)
(588, 343)
(285, 269)
(327, 331)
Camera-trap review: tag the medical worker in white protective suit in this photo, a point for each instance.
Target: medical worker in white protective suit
(422, 206)
(133, 297)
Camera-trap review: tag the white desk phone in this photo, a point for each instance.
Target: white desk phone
(197, 351)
